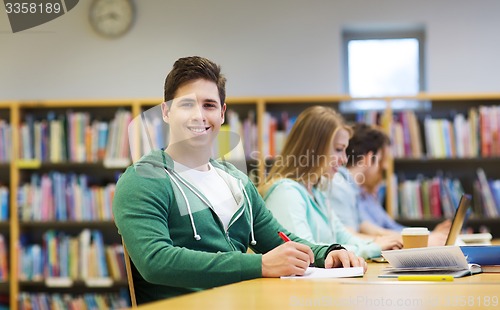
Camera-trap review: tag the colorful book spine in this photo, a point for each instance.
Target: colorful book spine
(70, 136)
(4, 203)
(4, 269)
(428, 197)
(61, 197)
(478, 134)
(5, 141)
(489, 206)
(33, 301)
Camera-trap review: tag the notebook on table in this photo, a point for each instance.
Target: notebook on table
(456, 224)
(441, 260)
(321, 273)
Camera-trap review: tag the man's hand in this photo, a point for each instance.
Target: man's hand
(443, 227)
(344, 258)
(437, 238)
(290, 258)
(389, 242)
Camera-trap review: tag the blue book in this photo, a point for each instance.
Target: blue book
(63, 254)
(482, 254)
(101, 253)
(4, 203)
(495, 191)
(70, 197)
(61, 193)
(37, 261)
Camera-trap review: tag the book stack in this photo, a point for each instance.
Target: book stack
(87, 139)
(275, 130)
(487, 194)
(74, 137)
(489, 128)
(62, 259)
(117, 148)
(29, 301)
(429, 198)
(476, 135)
(368, 117)
(64, 197)
(407, 142)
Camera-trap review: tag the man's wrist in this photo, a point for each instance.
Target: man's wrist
(334, 247)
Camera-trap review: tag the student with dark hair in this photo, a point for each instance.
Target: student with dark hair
(188, 220)
(354, 191)
(313, 152)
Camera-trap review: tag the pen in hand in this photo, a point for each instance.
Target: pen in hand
(283, 236)
(286, 239)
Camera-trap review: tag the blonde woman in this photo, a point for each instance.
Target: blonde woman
(312, 154)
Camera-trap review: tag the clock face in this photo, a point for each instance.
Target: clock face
(112, 18)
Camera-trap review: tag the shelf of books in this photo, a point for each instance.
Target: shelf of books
(68, 156)
(5, 157)
(448, 146)
(238, 141)
(280, 114)
(59, 162)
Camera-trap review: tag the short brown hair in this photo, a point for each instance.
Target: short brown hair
(192, 68)
(365, 139)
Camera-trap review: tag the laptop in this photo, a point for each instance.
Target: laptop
(456, 224)
(458, 219)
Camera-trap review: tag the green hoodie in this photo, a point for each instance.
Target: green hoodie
(160, 217)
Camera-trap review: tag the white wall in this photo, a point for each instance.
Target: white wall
(266, 47)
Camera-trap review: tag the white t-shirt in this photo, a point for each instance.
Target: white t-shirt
(213, 187)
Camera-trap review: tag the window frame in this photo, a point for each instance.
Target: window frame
(352, 34)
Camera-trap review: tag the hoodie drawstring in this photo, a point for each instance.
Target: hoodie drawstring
(253, 242)
(195, 233)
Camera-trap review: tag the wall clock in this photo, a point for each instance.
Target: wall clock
(112, 18)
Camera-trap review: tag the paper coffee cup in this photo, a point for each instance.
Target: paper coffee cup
(415, 237)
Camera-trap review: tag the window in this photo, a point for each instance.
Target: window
(382, 63)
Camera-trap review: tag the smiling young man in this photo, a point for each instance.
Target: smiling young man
(188, 220)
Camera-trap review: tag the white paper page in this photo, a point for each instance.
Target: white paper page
(318, 273)
(439, 256)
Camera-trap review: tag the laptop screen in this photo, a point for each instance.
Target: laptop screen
(458, 219)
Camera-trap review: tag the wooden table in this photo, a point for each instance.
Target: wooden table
(481, 291)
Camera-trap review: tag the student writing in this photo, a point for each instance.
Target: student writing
(187, 220)
(313, 152)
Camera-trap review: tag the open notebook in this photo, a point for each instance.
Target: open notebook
(442, 260)
(318, 273)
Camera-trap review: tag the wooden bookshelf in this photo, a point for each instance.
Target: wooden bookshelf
(460, 160)
(18, 171)
(21, 170)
